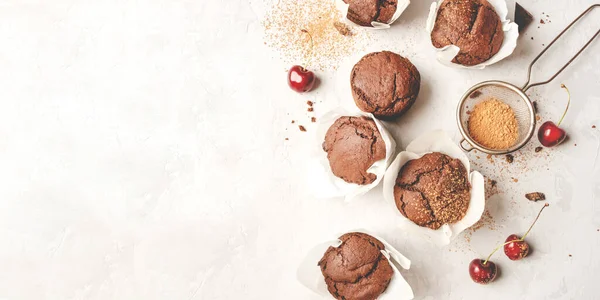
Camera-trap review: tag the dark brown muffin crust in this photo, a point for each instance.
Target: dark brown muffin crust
(363, 12)
(433, 190)
(353, 144)
(356, 270)
(385, 84)
(471, 25)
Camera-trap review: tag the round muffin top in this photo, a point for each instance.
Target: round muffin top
(385, 84)
(356, 269)
(471, 25)
(433, 190)
(363, 12)
(353, 144)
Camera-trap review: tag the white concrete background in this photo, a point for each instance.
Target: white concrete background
(142, 156)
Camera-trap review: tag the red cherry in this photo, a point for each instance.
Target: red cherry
(482, 271)
(300, 79)
(517, 249)
(551, 134)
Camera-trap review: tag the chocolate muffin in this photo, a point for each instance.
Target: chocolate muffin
(385, 84)
(363, 12)
(353, 144)
(471, 25)
(356, 270)
(433, 190)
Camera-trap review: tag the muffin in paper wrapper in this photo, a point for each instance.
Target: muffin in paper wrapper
(436, 141)
(511, 34)
(343, 8)
(309, 273)
(320, 177)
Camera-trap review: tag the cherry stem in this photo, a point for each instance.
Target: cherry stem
(568, 103)
(517, 240)
(311, 46)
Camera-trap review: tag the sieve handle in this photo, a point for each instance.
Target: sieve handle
(463, 146)
(527, 85)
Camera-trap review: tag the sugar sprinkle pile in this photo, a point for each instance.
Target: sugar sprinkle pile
(284, 26)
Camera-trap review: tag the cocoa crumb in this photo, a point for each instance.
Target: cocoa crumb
(515, 179)
(293, 121)
(313, 119)
(570, 255)
(287, 139)
(542, 21)
(593, 126)
(575, 145)
(509, 158)
(309, 103)
(493, 182)
(532, 38)
(475, 94)
(342, 28)
(302, 128)
(538, 149)
(310, 109)
(535, 196)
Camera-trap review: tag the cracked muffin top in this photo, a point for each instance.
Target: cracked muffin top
(433, 190)
(385, 84)
(471, 25)
(356, 270)
(353, 144)
(363, 12)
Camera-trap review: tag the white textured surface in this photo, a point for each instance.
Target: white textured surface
(142, 156)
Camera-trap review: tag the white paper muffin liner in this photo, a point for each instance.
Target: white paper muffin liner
(511, 34)
(436, 141)
(343, 8)
(322, 180)
(309, 273)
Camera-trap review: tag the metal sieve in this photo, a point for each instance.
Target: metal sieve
(512, 95)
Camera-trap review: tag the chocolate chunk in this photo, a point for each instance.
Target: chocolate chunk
(475, 94)
(536, 196)
(522, 17)
(302, 128)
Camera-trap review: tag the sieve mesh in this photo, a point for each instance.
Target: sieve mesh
(506, 93)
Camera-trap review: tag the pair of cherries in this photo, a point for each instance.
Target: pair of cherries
(515, 247)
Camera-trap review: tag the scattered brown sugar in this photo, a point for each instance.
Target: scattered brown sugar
(342, 28)
(322, 47)
(302, 128)
(313, 119)
(535, 196)
(509, 158)
(538, 149)
(493, 125)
